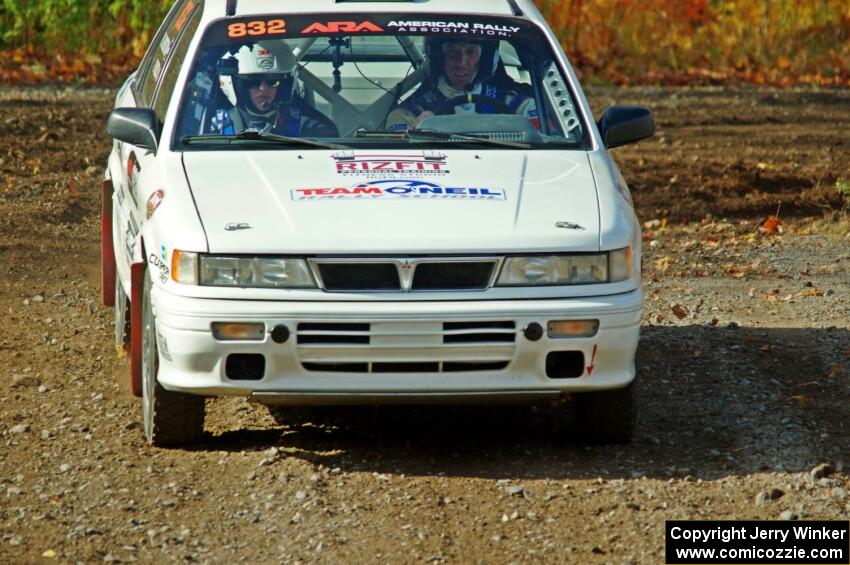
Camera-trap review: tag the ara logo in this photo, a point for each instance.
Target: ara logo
(400, 188)
(342, 27)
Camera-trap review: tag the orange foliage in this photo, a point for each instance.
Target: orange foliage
(671, 42)
(780, 42)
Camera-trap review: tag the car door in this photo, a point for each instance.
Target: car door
(151, 87)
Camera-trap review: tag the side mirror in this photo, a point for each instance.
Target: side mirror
(136, 126)
(621, 125)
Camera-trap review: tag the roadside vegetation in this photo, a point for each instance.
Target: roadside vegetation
(776, 42)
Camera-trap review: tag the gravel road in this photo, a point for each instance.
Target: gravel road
(744, 390)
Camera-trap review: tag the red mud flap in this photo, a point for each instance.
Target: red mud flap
(107, 248)
(137, 287)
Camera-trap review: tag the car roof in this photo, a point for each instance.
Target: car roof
(218, 8)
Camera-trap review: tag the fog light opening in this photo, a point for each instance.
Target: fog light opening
(229, 331)
(565, 364)
(245, 367)
(572, 328)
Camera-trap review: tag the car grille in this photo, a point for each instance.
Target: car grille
(406, 275)
(406, 347)
(359, 276)
(456, 276)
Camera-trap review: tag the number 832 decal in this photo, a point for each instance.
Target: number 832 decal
(256, 27)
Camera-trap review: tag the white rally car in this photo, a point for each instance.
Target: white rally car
(345, 202)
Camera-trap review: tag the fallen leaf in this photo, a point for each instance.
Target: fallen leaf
(771, 225)
(50, 554)
(802, 399)
(679, 311)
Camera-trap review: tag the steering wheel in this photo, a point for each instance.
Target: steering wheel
(447, 106)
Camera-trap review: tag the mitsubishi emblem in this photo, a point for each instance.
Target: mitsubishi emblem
(405, 272)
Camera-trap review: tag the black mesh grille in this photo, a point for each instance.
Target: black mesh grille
(453, 276)
(359, 276)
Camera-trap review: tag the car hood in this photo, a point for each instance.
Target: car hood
(406, 202)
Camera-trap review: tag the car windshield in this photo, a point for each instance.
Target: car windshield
(379, 80)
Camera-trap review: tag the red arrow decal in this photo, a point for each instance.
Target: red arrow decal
(592, 362)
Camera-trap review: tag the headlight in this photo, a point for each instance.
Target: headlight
(566, 269)
(255, 272)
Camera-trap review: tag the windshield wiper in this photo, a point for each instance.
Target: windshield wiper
(441, 135)
(251, 135)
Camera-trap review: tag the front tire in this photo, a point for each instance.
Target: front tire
(170, 418)
(607, 416)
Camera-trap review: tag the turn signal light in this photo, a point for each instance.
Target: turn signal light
(573, 328)
(227, 331)
(184, 267)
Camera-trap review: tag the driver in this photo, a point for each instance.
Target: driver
(264, 99)
(460, 67)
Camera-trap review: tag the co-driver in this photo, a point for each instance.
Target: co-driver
(460, 68)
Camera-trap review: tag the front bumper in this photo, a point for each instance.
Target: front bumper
(396, 352)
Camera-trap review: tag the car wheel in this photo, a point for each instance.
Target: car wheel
(122, 316)
(170, 418)
(607, 416)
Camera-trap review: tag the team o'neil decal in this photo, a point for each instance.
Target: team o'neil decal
(374, 166)
(399, 189)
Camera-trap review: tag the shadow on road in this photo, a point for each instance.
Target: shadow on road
(715, 402)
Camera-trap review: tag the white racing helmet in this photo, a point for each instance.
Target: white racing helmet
(257, 63)
(487, 64)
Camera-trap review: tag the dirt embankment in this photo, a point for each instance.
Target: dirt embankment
(743, 381)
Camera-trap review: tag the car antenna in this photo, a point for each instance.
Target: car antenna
(515, 8)
(231, 8)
